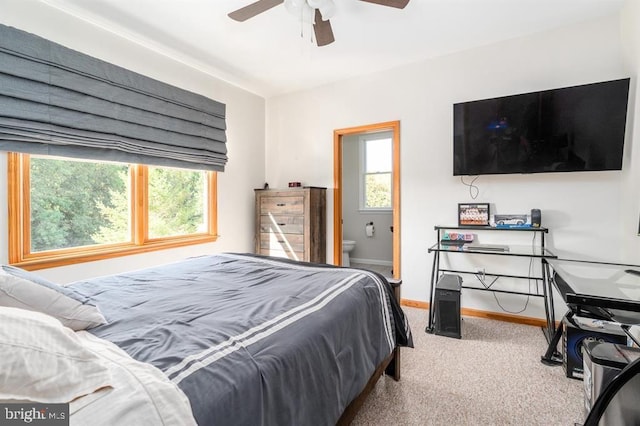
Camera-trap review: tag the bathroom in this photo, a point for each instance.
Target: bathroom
(367, 213)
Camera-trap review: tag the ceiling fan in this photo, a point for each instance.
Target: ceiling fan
(316, 12)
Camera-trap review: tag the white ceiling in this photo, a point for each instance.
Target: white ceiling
(267, 55)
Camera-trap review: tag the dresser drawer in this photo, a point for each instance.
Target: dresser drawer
(283, 224)
(282, 242)
(291, 223)
(282, 205)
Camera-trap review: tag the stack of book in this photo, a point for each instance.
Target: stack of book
(457, 238)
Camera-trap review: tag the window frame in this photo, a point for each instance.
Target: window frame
(19, 219)
(362, 151)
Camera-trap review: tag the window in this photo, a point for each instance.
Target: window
(376, 183)
(177, 202)
(65, 210)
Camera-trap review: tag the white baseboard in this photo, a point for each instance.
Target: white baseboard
(371, 261)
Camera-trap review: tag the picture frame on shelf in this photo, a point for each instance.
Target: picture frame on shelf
(473, 214)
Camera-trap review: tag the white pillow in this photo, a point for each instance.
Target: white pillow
(24, 290)
(43, 361)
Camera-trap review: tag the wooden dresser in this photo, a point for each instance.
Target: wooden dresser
(292, 223)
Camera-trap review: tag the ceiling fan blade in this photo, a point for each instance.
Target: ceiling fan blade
(323, 31)
(399, 4)
(253, 9)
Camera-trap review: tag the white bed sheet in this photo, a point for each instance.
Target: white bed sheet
(141, 393)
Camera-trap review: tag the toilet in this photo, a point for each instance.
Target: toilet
(347, 247)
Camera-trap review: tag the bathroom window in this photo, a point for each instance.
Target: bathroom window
(376, 180)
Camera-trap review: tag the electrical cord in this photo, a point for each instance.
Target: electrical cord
(473, 189)
(526, 304)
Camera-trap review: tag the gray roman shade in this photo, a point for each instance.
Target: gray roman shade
(56, 101)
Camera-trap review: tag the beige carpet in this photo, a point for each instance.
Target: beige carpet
(492, 376)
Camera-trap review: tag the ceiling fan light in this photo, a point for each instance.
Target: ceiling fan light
(294, 6)
(295, 3)
(308, 14)
(327, 10)
(301, 10)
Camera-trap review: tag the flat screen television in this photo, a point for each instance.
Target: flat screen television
(579, 128)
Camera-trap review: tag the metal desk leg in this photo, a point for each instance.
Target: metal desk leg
(434, 273)
(552, 311)
(549, 357)
(547, 289)
(546, 292)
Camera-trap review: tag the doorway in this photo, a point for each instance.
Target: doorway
(338, 140)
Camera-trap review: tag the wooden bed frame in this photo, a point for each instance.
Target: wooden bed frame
(390, 366)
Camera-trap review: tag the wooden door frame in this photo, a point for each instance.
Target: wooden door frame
(394, 127)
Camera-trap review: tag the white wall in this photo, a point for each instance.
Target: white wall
(593, 214)
(584, 210)
(630, 23)
(245, 134)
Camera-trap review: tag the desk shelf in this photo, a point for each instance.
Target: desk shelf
(494, 228)
(534, 251)
(514, 250)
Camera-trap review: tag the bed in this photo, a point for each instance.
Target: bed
(246, 339)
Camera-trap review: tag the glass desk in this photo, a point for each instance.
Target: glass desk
(600, 290)
(609, 290)
(534, 251)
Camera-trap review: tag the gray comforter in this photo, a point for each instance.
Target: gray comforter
(254, 340)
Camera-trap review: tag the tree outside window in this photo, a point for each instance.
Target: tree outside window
(74, 208)
(77, 203)
(377, 166)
